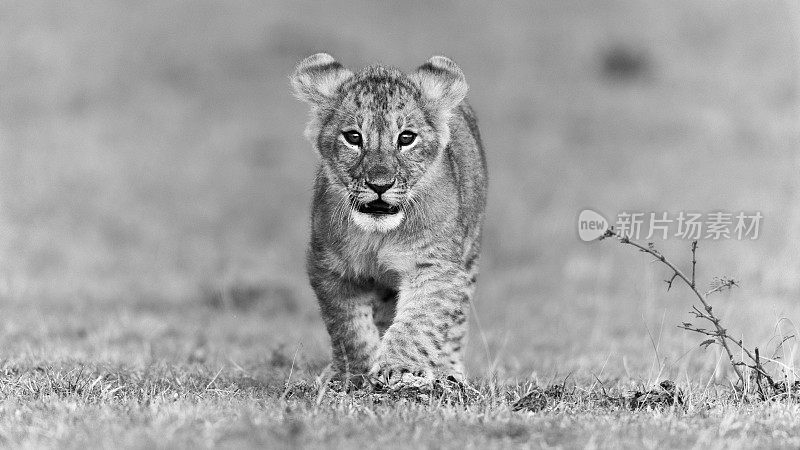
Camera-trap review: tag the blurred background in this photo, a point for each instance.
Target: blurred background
(155, 185)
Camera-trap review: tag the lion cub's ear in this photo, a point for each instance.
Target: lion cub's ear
(442, 83)
(317, 79)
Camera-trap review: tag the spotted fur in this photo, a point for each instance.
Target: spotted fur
(394, 290)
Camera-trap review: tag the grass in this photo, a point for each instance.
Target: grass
(155, 375)
(71, 404)
(154, 195)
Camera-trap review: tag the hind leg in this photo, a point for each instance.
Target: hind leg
(383, 309)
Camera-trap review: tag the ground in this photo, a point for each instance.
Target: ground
(155, 191)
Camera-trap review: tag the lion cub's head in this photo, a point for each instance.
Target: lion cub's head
(378, 131)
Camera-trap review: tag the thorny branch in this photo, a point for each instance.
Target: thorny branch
(718, 334)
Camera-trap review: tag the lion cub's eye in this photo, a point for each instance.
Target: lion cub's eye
(352, 137)
(406, 138)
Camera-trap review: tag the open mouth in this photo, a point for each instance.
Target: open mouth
(378, 207)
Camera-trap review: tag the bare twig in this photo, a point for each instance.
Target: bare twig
(719, 333)
(671, 280)
(694, 261)
(766, 387)
(758, 377)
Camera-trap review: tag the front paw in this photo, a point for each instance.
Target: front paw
(394, 372)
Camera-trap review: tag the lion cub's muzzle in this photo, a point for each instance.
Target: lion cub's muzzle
(380, 205)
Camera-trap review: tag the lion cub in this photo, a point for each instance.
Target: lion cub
(396, 220)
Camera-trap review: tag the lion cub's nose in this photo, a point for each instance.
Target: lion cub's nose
(381, 186)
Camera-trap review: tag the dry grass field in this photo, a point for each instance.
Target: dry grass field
(155, 189)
